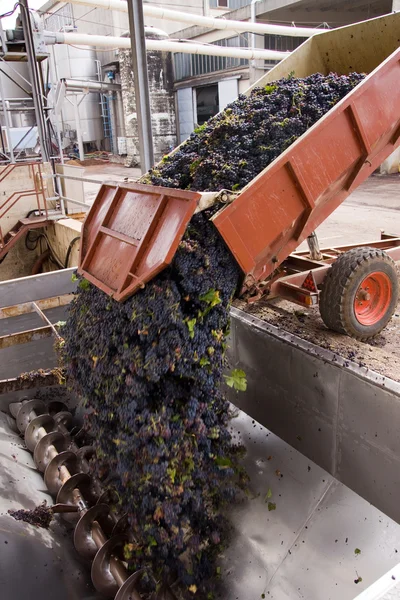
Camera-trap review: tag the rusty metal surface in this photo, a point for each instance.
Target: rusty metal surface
(28, 381)
(28, 307)
(131, 233)
(23, 337)
(300, 189)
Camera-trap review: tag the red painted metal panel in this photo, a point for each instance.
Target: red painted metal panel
(131, 233)
(301, 188)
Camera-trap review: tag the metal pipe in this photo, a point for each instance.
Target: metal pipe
(28, 97)
(3, 102)
(75, 104)
(252, 34)
(209, 22)
(113, 122)
(17, 99)
(313, 245)
(120, 114)
(91, 86)
(35, 82)
(78, 129)
(138, 45)
(103, 41)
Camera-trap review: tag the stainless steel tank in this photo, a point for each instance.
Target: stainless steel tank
(80, 63)
(15, 85)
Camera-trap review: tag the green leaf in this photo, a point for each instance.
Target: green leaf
(271, 506)
(211, 298)
(204, 361)
(268, 494)
(218, 570)
(222, 461)
(190, 325)
(60, 324)
(237, 380)
(357, 551)
(270, 88)
(171, 472)
(74, 278)
(84, 284)
(152, 542)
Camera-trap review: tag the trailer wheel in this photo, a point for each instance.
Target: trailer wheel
(360, 293)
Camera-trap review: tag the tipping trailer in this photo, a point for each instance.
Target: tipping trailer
(323, 540)
(132, 232)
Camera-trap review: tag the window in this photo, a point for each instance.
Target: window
(231, 4)
(283, 43)
(207, 103)
(192, 65)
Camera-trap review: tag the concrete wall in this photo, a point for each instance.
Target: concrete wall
(162, 104)
(19, 261)
(61, 234)
(342, 416)
(19, 180)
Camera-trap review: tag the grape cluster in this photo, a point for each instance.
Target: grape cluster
(232, 148)
(150, 369)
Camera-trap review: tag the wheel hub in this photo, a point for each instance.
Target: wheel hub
(372, 298)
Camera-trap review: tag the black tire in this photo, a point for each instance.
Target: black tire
(341, 286)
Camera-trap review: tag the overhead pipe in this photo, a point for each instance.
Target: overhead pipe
(102, 41)
(78, 85)
(209, 22)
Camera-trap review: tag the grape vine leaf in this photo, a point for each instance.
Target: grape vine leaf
(237, 380)
(84, 284)
(268, 495)
(190, 325)
(357, 551)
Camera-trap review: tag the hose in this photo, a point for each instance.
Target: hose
(53, 254)
(71, 245)
(38, 264)
(31, 243)
(35, 241)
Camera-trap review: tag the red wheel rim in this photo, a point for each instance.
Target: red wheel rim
(373, 298)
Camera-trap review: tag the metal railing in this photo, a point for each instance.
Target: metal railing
(37, 190)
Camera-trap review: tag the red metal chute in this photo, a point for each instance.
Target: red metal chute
(131, 233)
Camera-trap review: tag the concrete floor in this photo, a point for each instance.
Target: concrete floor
(375, 205)
(110, 172)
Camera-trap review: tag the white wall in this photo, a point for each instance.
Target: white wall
(185, 111)
(227, 92)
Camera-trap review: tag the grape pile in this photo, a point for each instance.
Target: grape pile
(150, 369)
(230, 149)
